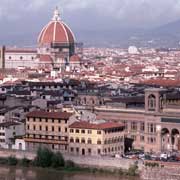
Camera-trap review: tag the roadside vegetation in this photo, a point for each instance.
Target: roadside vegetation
(47, 159)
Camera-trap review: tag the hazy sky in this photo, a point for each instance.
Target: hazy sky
(20, 16)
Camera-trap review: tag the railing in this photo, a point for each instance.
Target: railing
(46, 141)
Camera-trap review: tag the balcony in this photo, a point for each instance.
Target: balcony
(46, 141)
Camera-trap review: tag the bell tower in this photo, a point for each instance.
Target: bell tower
(154, 100)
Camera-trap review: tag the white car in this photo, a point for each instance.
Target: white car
(163, 156)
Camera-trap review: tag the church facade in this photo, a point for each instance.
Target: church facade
(56, 49)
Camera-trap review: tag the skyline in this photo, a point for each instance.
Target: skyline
(86, 18)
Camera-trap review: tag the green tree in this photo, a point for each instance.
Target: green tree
(43, 158)
(57, 160)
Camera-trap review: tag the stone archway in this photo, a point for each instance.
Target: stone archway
(175, 139)
(165, 139)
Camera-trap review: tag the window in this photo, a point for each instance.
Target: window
(34, 127)
(21, 57)
(52, 128)
(89, 141)
(59, 129)
(77, 150)
(71, 140)
(71, 130)
(46, 128)
(83, 131)
(99, 151)
(52, 146)
(98, 141)
(98, 132)
(105, 141)
(151, 140)
(133, 137)
(151, 128)
(77, 140)
(77, 130)
(89, 151)
(151, 102)
(89, 131)
(125, 125)
(72, 149)
(40, 127)
(66, 129)
(27, 127)
(9, 57)
(142, 126)
(142, 138)
(83, 140)
(134, 126)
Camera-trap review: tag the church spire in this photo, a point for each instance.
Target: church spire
(56, 16)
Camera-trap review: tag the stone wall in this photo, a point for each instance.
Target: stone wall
(89, 161)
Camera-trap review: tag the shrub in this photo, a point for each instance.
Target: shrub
(57, 160)
(12, 161)
(25, 162)
(43, 158)
(3, 160)
(120, 172)
(132, 170)
(69, 164)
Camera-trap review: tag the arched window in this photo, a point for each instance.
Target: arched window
(89, 141)
(84, 100)
(98, 141)
(83, 141)
(93, 102)
(151, 102)
(105, 141)
(71, 139)
(77, 140)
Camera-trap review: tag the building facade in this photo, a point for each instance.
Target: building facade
(47, 129)
(56, 49)
(152, 128)
(91, 139)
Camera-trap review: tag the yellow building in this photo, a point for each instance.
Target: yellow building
(47, 129)
(86, 138)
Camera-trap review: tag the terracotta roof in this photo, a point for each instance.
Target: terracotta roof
(101, 126)
(54, 115)
(75, 58)
(56, 31)
(15, 50)
(44, 57)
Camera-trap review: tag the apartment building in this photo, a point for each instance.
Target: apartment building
(47, 129)
(103, 138)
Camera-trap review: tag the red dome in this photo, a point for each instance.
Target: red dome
(56, 31)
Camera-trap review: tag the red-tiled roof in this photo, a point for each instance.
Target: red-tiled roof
(54, 115)
(56, 32)
(75, 58)
(44, 57)
(101, 126)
